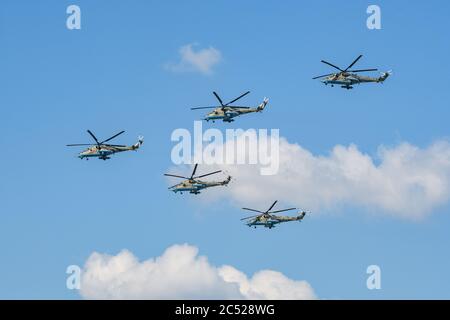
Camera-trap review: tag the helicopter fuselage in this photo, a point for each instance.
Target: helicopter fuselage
(270, 222)
(227, 115)
(195, 186)
(105, 152)
(102, 153)
(347, 80)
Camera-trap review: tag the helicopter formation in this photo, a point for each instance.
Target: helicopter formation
(227, 112)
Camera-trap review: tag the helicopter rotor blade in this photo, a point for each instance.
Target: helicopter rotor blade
(242, 95)
(118, 134)
(253, 210)
(196, 108)
(362, 70)
(325, 75)
(218, 98)
(193, 171)
(114, 145)
(208, 174)
(251, 217)
(273, 204)
(353, 63)
(78, 144)
(282, 210)
(174, 175)
(93, 136)
(332, 65)
(237, 107)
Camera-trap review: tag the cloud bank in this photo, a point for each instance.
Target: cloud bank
(180, 273)
(202, 60)
(404, 180)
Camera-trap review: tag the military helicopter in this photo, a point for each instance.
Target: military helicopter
(193, 185)
(347, 78)
(268, 219)
(104, 151)
(227, 112)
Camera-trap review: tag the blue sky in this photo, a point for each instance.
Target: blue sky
(55, 210)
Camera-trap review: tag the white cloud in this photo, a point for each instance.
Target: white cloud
(201, 61)
(404, 180)
(180, 273)
(267, 284)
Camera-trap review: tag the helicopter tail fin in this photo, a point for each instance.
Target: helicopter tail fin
(227, 181)
(262, 105)
(301, 215)
(139, 143)
(384, 76)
